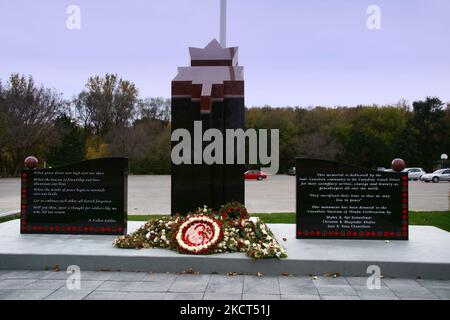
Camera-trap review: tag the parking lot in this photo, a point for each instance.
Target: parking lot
(151, 194)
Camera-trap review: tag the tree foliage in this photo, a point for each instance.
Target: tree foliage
(107, 102)
(431, 129)
(69, 143)
(27, 115)
(108, 118)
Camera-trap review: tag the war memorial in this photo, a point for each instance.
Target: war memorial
(351, 222)
(348, 218)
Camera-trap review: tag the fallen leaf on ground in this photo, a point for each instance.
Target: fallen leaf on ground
(189, 271)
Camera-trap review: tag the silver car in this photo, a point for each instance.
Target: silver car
(414, 173)
(438, 175)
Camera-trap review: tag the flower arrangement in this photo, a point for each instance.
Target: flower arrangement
(198, 234)
(233, 210)
(207, 231)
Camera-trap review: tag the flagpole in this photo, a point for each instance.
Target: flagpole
(223, 23)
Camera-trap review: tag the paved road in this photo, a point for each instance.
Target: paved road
(49, 285)
(151, 194)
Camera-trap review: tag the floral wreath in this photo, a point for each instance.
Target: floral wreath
(198, 234)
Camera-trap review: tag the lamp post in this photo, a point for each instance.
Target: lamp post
(444, 158)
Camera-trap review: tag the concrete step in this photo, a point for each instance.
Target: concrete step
(425, 255)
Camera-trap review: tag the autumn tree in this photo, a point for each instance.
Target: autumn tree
(26, 119)
(107, 102)
(155, 108)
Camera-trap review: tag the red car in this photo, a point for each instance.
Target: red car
(255, 175)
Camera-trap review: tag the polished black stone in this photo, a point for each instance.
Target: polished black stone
(336, 201)
(196, 185)
(89, 197)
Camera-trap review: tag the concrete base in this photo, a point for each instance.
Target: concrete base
(425, 255)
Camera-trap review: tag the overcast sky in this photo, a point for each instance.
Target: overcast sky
(315, 52)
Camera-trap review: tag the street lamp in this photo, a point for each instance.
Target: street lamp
(444, 158)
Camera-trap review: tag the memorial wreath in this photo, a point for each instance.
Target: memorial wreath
(207, 231)
(198, 234)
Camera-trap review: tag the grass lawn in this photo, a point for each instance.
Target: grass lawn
(4, 219)
(267, 217)
(440, 219)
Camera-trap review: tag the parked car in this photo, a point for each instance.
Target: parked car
(414, 173)
(291, 171)
(438, 175)
(255, 175)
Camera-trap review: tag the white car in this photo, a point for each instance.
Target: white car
(414, 173)
(438, 175)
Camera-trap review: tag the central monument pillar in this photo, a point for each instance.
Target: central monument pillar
(211, 90)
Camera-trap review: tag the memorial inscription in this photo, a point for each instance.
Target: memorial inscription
(89, 197)
(338, 201)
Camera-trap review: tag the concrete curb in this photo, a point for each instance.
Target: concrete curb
(206, 265)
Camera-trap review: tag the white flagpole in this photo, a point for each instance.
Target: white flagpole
(223, 23)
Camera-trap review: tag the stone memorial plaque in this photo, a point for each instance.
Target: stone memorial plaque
(337, 201)
(89, 197)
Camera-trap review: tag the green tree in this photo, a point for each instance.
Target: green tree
(407, 146)
(283, 120)
(371, 135)
(70, 145)
(429, 121)
(317, 132)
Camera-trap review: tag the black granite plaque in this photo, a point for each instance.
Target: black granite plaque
(89, 197)
(337, 201)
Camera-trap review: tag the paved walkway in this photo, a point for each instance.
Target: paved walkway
(39, 285)
(151, 194)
